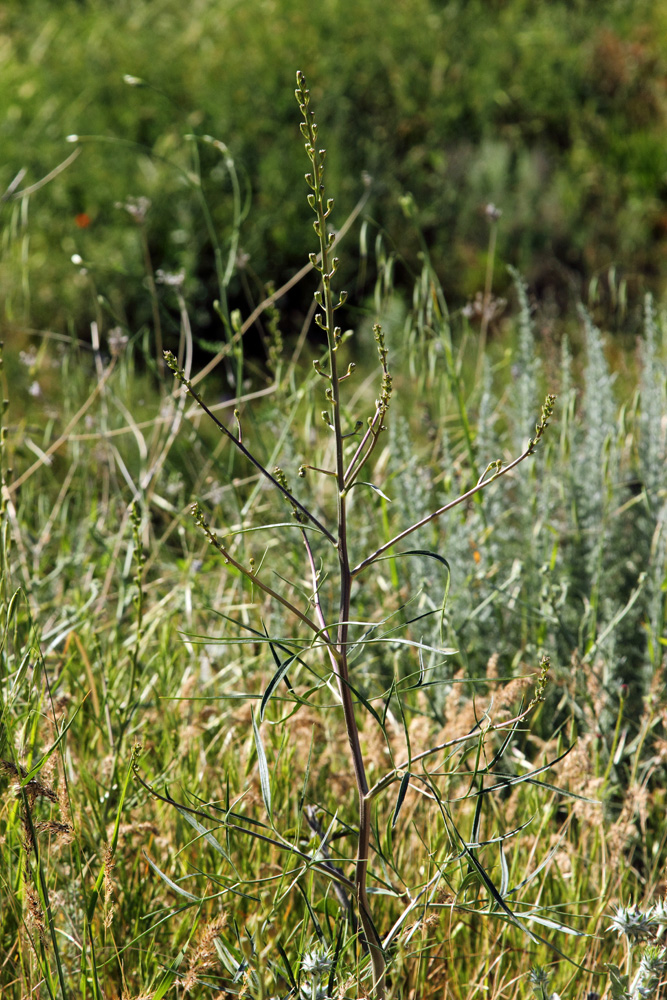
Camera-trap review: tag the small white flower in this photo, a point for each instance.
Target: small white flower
(173, 279)
(136, 207)
(28, 358)
(117, 341)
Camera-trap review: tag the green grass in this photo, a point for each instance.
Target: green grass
(136, 775)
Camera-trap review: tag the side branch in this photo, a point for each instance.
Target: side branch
(269, 591)
(376, 423)
(547, 411)
(171, 362)
(494, 727)
(320, 866)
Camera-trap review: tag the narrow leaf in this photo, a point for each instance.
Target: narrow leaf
(313, 917)
(170, 883)
(504, 873)
(275, 681)
(405, 784)
(288, 968)
(376, 489)
(207, 835)
(262, 764)
(167, 980)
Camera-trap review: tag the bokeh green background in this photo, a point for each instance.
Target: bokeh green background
(555, 112)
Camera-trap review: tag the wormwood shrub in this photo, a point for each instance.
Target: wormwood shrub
(318, 645)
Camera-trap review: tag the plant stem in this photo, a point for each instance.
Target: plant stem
(327, 267)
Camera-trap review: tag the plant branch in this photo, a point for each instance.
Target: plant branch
(180, 375)
(394, 775)
(322, 867)
(547, 411)
(376, 423)
(198, 515)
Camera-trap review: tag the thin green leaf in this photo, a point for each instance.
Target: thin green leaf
(234, 966)
(529, 878)
(366, 703)
(264, 779)
(518, 779)
(336, 956)
(36, 768)
(207, 836)
(172, 885)
(165, 985)
(554, 925)
(444, 651)
(313, 917)
(275, 681)
(376, 489)
(169, 977)
(288, 968)
(504, 873)
(402, 791)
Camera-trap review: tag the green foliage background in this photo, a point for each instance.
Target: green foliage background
(556, 112)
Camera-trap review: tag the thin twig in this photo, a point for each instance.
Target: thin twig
(481, 485)
(171, 362)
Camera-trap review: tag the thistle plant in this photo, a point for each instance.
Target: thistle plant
(646, 956)
(328, 623)
(645, 968)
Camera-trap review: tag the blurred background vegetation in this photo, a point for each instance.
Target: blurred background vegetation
(554, 112)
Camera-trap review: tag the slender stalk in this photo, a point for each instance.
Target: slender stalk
(269, 591)
(547, 410)
(171, 362)
(327, 266)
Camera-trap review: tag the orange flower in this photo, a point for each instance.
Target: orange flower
(82, 220)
